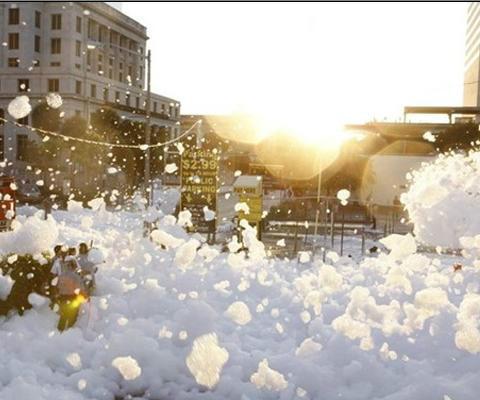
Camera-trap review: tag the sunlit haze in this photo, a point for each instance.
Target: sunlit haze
(305, 64)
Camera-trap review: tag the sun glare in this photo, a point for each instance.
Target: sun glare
(312, 130)
(302, 141)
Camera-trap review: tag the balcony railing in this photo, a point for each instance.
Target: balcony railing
(140, 111)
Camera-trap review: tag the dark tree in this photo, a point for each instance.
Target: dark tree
(45, 117)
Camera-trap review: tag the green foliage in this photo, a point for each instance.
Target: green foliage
(88, 157)
(30, 277)
(46, 118)
(106, 123)
(88, 162)
(458, 137)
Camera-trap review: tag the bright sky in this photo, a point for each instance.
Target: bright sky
(352, 61)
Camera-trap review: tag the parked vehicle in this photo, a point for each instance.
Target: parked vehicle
(29, 193)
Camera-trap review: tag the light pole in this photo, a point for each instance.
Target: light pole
(147, 185)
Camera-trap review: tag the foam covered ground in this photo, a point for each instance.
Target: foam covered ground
(173, 322)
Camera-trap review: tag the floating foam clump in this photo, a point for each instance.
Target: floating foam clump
(128, 367)
(19, 107)
(206, 360)
(239, 313)
(268, 378)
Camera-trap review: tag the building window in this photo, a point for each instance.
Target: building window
(120, 76)
(13, 62)
(53, 85)
(110, 74)
(78, 66)
(89, 58)
(110, 62)
(23, 85)
(56, 22)
(137, 103)
(78, 48)
(78, 87)
(105, 94)
(37, 43)
(102, 34)
(13, 16)
(22, 145)
(91, 29)
(120, 65)
(127, 99)
(13, 41)
(93, 91)
(2, 151)
(36, 63)
(56, 46)
(141, 73)
(155, 106)
(38, 19)
(117, 97)
(55, 64)
(79, 25)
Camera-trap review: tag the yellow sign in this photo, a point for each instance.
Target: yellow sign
(246, 190)
(249, 190)
(199, 171)
(255, 205)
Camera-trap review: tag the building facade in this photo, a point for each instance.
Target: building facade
(89, 52)
(471, 83)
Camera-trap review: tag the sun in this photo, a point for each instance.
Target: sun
(322, 132)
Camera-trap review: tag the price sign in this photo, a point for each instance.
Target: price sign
(255, 206)
(199, 172)
(250, 191)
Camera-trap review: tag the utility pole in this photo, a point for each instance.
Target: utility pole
(147, 183)
(317, 213)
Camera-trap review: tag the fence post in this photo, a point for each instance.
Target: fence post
(307, 225)
(332, 227)
(342, 232)
(325, 220)
(363, 241)
(295, 248)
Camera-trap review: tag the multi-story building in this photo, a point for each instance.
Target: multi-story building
(90, 53)
(471, 85)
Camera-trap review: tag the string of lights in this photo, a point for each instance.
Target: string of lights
(67, 138)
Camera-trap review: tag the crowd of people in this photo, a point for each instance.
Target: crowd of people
(73, 281)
